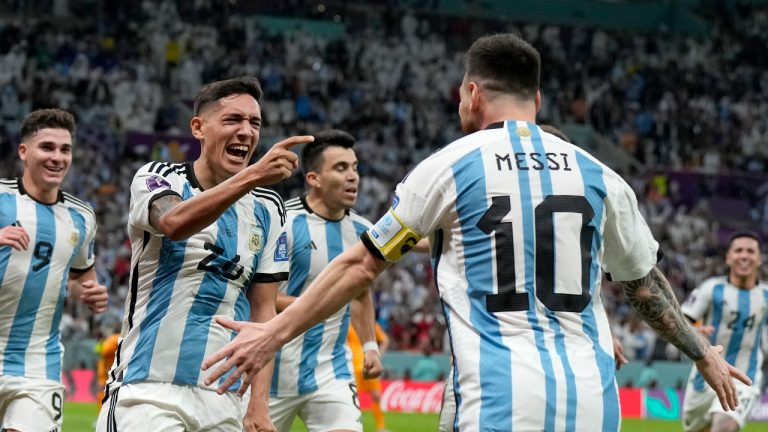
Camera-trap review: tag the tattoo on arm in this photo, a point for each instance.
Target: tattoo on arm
(161, 206)
(653, 299)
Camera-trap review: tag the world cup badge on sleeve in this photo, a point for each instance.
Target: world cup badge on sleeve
(156, 182)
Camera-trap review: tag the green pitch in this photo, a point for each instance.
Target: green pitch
(81, 417)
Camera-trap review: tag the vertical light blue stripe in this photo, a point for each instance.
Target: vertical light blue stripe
(273, 388)
(340, 364)
(170, 260)
(734, 345)
(301, 256)
(210, 294)
(360, 229)
(34, 288)
(7, 217)
(529, 259)
(495, 365)
(717, 317)
(53, 346)
(339, 355)
(310, 348)
(242, 313)
(554, 322)
(595, 192)
(758, 341)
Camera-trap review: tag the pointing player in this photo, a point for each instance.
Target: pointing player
(205, 241)
(520, 224)
(46, 241)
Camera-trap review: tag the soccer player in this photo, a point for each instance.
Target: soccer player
(46, 248)
(205, 241)
(365, 384)
(520, 224)
(733, 310)
(311, 376)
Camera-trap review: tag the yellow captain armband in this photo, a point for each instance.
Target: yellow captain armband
(392, 237)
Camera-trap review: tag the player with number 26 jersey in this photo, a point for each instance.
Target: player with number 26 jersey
(528, 330)
(178, 286)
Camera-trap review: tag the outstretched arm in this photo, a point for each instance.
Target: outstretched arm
(341, 281)
(653, 299)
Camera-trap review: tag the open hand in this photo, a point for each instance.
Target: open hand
(15, 237)
(719, 375)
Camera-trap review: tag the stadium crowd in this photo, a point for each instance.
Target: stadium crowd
(673, 102)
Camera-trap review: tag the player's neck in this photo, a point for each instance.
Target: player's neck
(205, 175)
(38, 192)
(498, 112)
(748, 282)
(321, 208)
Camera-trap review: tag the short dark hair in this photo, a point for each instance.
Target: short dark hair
(505, 63)
(53, 118)
(745, 234)
(312, 153)
(555, 131)
(216, 90)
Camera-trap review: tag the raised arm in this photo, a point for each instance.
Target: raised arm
(653, 299)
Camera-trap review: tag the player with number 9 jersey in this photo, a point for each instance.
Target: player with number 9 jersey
(521, 227)
(178, 286)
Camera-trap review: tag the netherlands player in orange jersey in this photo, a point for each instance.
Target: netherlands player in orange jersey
(365, 383)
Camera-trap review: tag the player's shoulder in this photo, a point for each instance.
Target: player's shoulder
(710, 283)
(763, 285)
(358, 218)
(78, 204)
(271, 199)
(9, 185)
(164, 169)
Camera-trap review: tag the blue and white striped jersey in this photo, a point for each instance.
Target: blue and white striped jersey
(521, 224)
(319, 356)
(738, 317)
(33, 283)
(177, 287)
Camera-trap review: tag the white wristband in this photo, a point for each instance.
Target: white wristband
(371, 346)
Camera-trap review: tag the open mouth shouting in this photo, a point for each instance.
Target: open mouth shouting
(238, 152)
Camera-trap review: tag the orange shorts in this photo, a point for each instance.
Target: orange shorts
(367, 385)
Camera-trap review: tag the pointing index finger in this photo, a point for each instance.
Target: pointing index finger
(294, 141)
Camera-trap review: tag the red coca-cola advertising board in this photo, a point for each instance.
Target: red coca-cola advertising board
(407, 396)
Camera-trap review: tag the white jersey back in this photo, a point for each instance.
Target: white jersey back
(319, 356)
(520, 224)
(738, 317)
(33, 282)
(178, 286)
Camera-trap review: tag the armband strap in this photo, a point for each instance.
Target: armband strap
(391, 237)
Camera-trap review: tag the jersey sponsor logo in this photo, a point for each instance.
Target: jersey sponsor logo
(156, 182)
(393, 238)
(281, 251)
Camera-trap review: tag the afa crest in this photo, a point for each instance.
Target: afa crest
(74, 238)
(255, 242)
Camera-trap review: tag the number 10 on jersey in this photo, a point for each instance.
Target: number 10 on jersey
(508, 299)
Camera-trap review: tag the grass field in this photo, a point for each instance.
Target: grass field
(81, 417)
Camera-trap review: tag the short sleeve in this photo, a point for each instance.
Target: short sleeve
(697, 303)
(84, 259)
(273, 263)
(416, 210)
(152, 181)
(630, 249)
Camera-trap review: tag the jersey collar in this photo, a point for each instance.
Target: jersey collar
(304, 203)
(59, 198)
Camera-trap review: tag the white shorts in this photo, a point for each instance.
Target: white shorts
(153, 406)
(698, 406)
(448, 407)
(30, 404)
(331, 407)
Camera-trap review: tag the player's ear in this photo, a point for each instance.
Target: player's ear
(23, 152)
(474, 96)
(312, 180)
(196, 124)
(538, 101)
